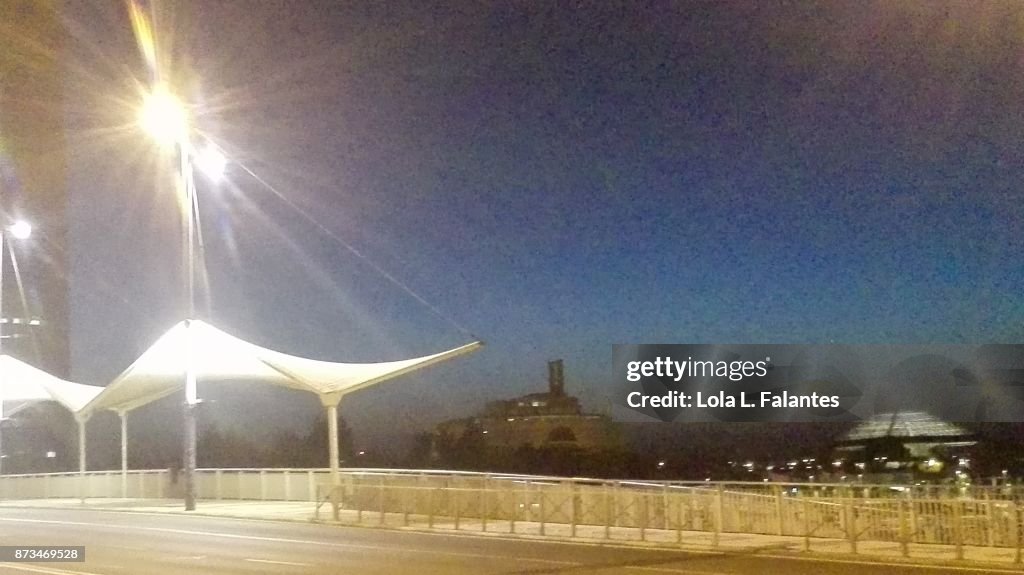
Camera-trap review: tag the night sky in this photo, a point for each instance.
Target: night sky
(555, 178)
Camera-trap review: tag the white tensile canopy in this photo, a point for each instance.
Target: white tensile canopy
(215, 356)
(20, 382)
(25, 384)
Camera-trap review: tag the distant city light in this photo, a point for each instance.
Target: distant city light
(51, 454)
(20, 229)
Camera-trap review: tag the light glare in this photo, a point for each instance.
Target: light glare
(163, 116)
(212, 162)
(21, 230)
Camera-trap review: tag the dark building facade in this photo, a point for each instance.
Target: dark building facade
(545, 419)
(33, 185)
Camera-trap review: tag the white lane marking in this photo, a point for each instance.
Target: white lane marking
(385, 548)
(47, 570)
(272, 562)
(680, 571)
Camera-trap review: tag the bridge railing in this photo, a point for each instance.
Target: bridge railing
(581, 507)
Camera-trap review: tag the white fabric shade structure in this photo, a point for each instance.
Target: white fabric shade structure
(25, 384)
(20, 382)
(215, 356)
(218, 357)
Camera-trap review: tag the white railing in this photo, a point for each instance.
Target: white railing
(580, 507)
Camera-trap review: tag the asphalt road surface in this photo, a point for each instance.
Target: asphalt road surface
(130, 543)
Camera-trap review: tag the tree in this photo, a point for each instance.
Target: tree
(313, 449)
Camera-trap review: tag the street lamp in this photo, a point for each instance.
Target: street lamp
(19, 230)
(166, 119)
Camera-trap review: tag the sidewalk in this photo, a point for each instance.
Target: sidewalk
(303, 511)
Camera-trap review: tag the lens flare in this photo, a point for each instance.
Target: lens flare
(143, 35)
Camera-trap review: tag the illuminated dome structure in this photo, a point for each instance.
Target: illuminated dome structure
(904, 446)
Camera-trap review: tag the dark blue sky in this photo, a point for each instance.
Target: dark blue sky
(559, 177)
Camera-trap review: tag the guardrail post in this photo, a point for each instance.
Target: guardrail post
(311, 484)
(382, 502)
(515, 508)
(805, 506)
(607, 514)
(540, 495)
(644, 515)
(780, 528)
(958, 528)
(483, 505)
(572, 509)
(719, 515)
(851, 520)
(405, 503)
(911, 515)
(430, 507)
(679, 517)
(990, 520)
(287, 486)
(904, 528)
(263, 485)
(357, 495)
(456, 506)
(218, 481)
(1017, 530)
(665, 507)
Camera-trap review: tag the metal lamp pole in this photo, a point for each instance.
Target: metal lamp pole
(188, 248)
(2, 375)
(167, 120)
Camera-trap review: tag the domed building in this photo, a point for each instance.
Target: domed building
(904, 446)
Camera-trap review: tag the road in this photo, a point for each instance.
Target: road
(129, 543)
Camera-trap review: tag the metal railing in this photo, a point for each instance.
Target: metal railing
(668, 512)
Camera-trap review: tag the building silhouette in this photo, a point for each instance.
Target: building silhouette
(546, 419)
(33, 185)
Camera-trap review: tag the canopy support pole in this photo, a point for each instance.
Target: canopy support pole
(332, 442)
(331, 401)
(82, 419)
(124, 453)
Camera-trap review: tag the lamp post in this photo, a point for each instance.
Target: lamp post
(164, 117)
(19, 230)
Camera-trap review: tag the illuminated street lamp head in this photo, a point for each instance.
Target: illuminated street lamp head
(211, 161)
(164, 117)
(20, 229)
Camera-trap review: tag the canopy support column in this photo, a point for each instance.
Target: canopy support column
(124, 452)
(330, 401)
(81, 419)
(332, 441)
